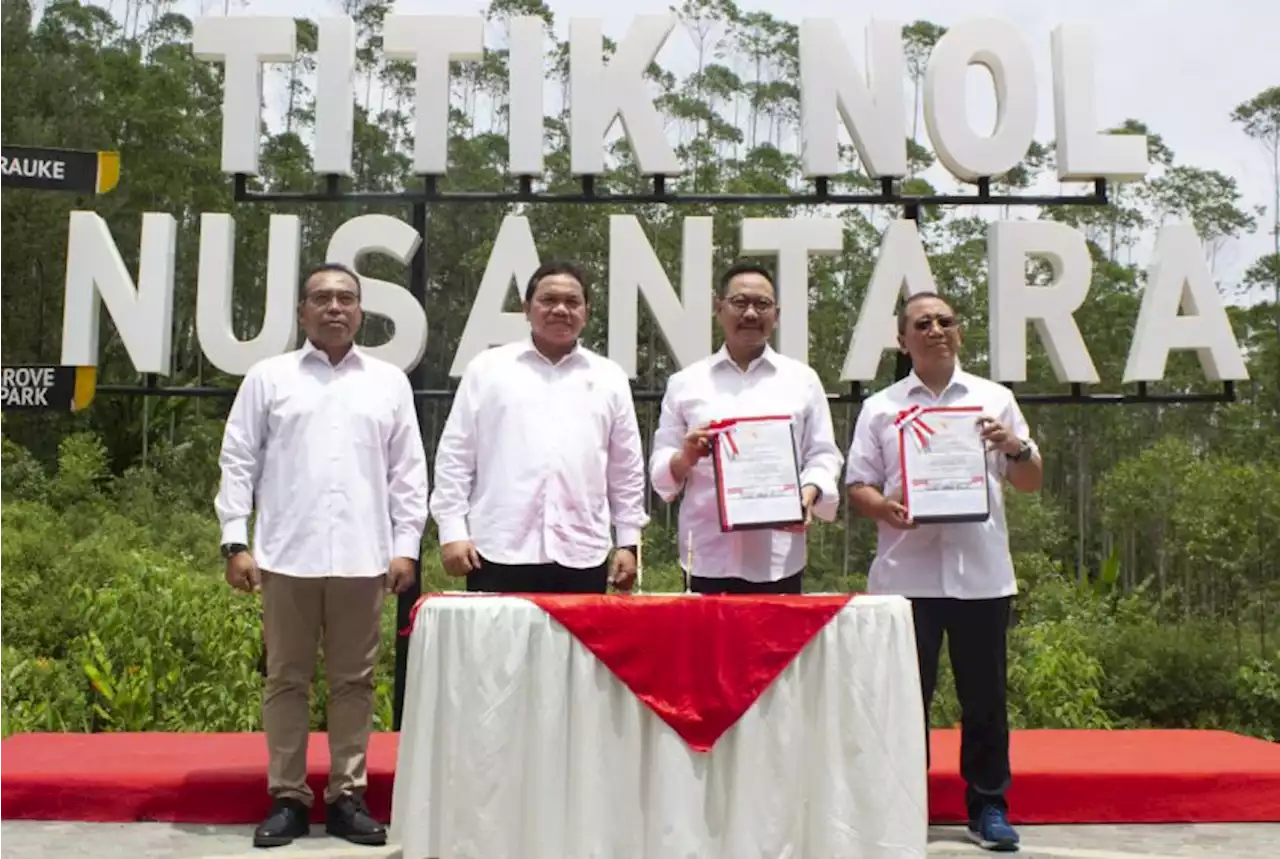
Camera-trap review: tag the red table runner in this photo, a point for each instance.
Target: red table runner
(699, 662)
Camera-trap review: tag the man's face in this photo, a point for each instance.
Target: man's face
(932, 337)
(557, 312)
(748, 312)
(331, 313)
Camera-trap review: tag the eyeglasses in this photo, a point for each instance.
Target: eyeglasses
(924, 323)
(550, 302)
(322, 298)
(740, 303)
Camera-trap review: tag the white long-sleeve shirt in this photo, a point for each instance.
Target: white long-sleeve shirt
(332, 459)
(715, 388)
(538, 459)
(963, 560)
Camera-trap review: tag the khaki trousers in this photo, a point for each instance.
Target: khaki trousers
(296, 612)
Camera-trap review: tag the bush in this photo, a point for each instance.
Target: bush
(140, 642)
(117, 618)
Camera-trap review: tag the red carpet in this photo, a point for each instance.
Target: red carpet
(1059, 777)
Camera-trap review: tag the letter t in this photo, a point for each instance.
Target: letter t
(243, 45)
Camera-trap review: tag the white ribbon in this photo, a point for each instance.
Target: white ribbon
(912, 419)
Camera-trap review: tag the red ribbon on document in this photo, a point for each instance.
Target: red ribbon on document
(728, 438)
(724, 427)
(913, 419)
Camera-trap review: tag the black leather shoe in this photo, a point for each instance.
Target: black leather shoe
(289, 819)
(348, 817)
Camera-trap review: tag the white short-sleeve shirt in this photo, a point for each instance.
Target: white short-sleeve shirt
(967, 560)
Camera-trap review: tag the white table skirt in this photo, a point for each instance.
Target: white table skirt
(518, 743)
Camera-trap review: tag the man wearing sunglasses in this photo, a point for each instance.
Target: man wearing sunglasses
(959, 575)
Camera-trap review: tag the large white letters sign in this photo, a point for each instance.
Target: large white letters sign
(1180, 310)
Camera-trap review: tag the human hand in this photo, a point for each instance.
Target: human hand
(808, 497)
(999, 436)
(697, 444)
(622, 569)
(459, 557)
(242, 573)
(400, 575)
(895, 514)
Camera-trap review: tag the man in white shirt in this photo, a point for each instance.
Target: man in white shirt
(323, 443)
(745, 378)
(958, 576)
(540, 455)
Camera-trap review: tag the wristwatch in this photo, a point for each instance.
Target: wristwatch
(230, 550)
(1023, 454)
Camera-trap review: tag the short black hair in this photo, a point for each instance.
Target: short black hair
(919, 296)
(744, 268)
(547, 269)
(329, 266)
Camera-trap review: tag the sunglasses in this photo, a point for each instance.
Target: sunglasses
(924, 323)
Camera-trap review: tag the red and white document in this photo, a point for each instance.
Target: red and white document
(757, 473)
(944, 464)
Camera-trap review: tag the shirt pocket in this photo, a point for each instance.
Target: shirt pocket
(588, 413)
(368, 419)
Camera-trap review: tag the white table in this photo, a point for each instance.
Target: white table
(517, 742)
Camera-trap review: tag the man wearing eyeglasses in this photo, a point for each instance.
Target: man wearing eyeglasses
(323, 443)
(958, 576)
(745, 378)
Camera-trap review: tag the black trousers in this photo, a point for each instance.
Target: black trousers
(977, 635)
(792, 584)
(538, 579)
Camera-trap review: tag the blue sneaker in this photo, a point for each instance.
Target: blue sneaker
(991, 831)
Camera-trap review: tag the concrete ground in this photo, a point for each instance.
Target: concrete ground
(20, 839)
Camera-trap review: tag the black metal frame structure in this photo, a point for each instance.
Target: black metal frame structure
(592, 192)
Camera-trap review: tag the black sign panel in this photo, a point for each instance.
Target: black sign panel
(43, 169)
(46, 388)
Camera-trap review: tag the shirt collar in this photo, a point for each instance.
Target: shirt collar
(768, 356)
(959, 379)
(354, 356)
(528, 350)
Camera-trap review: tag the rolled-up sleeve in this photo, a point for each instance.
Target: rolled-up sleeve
(820, 457)
(668, 440)
(240, 459)
(1012, 417)
(865, 462)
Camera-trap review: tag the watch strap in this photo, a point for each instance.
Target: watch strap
(229, 550)
(1023, 454)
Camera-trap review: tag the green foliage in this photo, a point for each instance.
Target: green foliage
(1147, 565)
(109, 626)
